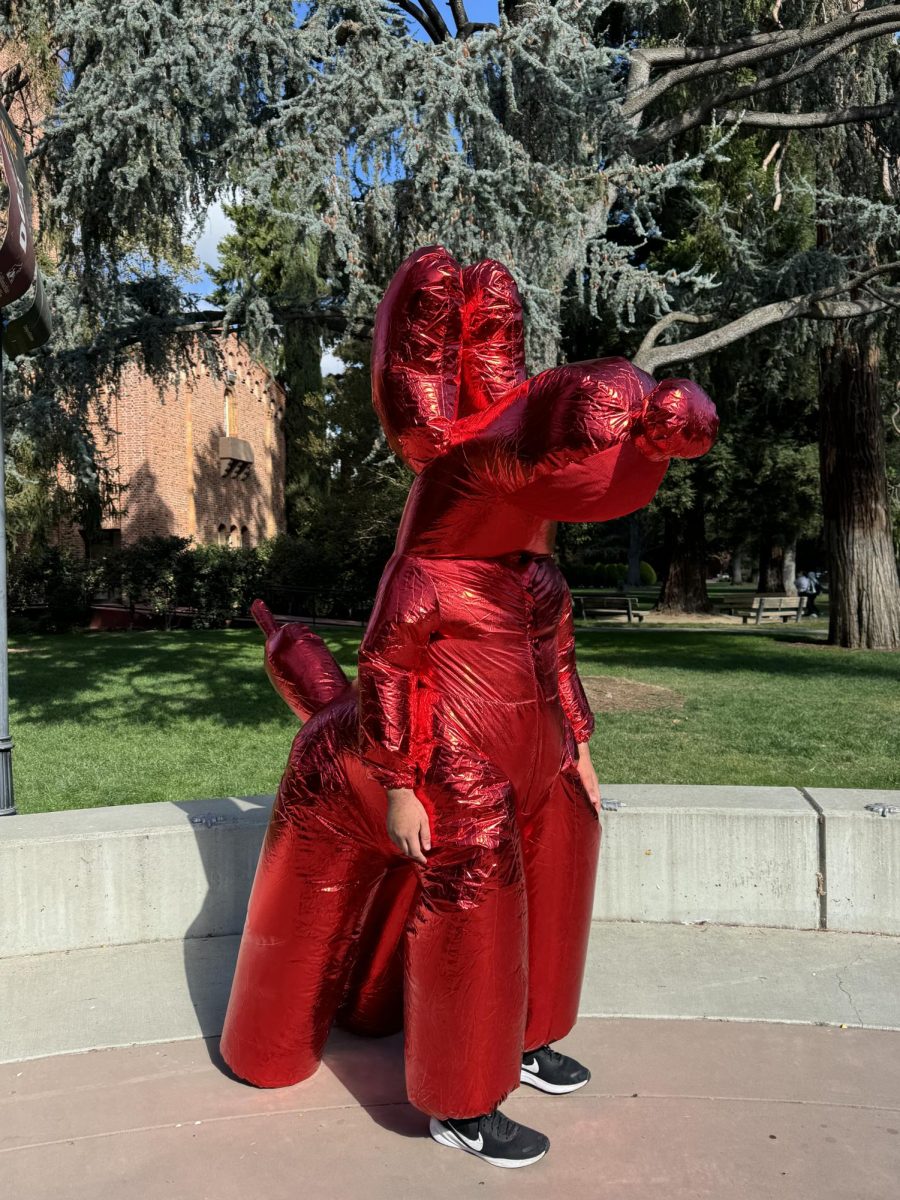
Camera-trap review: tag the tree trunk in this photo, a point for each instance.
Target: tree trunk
(789, 568)
(684, 587)
(633, 578)
(737, 565)
(771, 568)
(864, 594)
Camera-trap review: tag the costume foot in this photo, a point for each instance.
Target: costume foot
(553, 1072)
(494, 1138)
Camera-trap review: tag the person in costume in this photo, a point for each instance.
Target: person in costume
(432, 853)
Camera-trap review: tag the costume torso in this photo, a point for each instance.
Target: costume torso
(488, 676)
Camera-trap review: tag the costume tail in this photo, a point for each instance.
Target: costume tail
(301, 667)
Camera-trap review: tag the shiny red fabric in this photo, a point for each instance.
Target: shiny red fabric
(469, 694)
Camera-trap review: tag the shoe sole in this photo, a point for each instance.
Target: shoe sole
(446, 1137)
(552, 1089)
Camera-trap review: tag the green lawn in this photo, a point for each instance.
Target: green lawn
(131, 717)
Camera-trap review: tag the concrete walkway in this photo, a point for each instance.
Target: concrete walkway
(162, 991)
(677, 1110)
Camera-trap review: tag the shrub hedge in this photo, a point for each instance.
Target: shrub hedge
(606, 575)
(52, 589)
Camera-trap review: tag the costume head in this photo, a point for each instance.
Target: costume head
(501, 457)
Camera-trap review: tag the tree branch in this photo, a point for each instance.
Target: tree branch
(821, 305)
(766, 84)
(663, 131)
(777, 42)
(703, 61)
(460, 17)
(428, 16)
(672, 318)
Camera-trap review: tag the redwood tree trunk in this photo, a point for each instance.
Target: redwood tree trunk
(684, 587)
(737, 565)
(864, 594)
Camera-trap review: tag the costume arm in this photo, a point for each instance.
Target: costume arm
(571, 693)
(390, 663)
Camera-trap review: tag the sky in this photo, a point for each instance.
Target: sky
(206, 246)
(478, 10)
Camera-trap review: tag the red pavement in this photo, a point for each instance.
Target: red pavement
(676, 1110)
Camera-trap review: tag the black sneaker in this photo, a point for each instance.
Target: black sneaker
(553, 1072)
(494, 1138)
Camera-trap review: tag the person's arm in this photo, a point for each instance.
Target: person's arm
(571, 693)
(575, 703)
(390, 662)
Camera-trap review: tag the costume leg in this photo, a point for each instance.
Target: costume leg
(466, 952)
(560, 845)
(374, 1000)
(312, 887)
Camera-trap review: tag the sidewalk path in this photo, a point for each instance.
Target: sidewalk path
(162, 991)
(677, 1110)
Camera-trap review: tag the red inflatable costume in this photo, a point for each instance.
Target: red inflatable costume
(468, 693)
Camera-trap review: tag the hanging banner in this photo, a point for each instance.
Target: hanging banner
(17, 264)
(32, 328)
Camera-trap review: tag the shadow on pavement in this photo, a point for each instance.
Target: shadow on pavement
(370, 1069)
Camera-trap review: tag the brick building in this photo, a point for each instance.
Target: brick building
(201, 457)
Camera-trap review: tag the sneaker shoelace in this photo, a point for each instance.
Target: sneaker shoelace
(554, 1055)
(500, 1125)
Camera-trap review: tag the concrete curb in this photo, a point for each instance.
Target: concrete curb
(742, 856)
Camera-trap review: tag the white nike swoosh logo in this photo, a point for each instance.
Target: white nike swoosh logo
(533, 1066)
(473, 1145)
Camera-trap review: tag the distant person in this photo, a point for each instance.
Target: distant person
(806, 587)
(815, 586)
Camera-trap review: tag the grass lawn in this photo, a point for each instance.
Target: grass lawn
(131, 717)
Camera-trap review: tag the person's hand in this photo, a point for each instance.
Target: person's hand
(588, 775)
(407, 824)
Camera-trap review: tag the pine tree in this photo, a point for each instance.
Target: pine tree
(262, 264)
(554, 138)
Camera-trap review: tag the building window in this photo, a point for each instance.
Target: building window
(222, 536)
(233, 536)
(245, 537)
(103, 542)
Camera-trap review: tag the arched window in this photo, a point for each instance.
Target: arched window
(222, 536)
(233, 536)
(245, 537)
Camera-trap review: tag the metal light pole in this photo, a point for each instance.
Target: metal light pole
(7, 795)
(27, 331)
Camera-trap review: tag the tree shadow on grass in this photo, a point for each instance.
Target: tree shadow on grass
(723, 653)
(152, 677)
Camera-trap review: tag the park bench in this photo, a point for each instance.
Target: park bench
(597, 608)
(760, 608)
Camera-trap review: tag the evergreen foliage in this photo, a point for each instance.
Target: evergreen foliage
(628, 162)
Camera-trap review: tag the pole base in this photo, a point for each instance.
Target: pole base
(7, 796)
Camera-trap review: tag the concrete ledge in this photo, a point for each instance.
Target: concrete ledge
(746, 856)
(862, 860)
(132, 873)
(735, 856)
